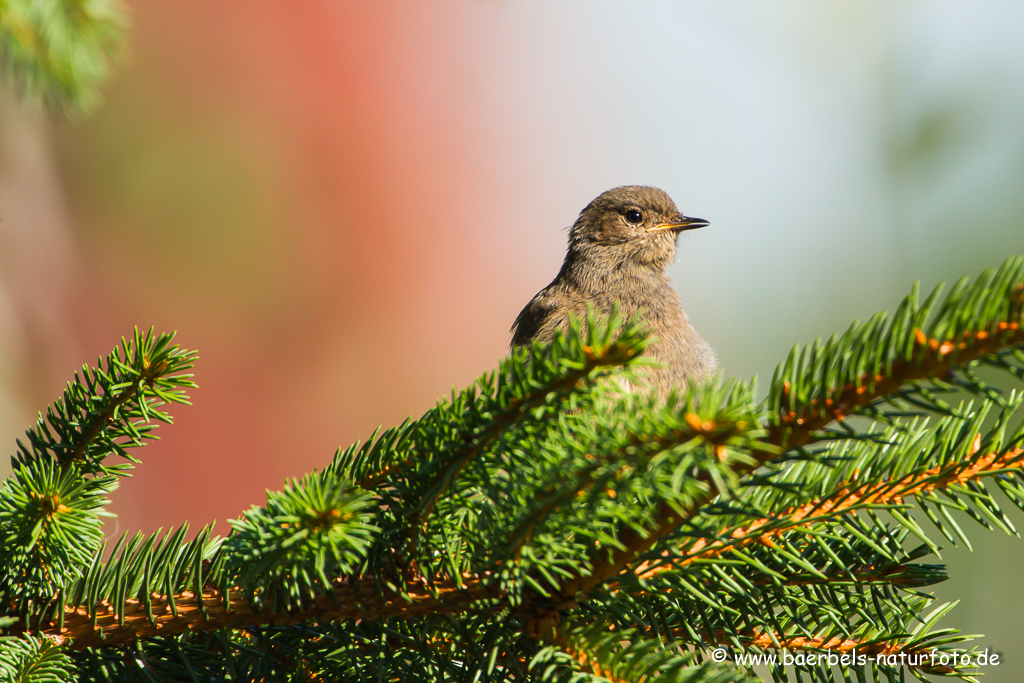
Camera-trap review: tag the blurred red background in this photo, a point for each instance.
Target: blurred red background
(308, 193)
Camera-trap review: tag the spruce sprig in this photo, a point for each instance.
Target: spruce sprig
(545, 525)
(113, 407)
(50, 507)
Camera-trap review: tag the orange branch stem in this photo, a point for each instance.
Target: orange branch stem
(359, 599)
(846, 499)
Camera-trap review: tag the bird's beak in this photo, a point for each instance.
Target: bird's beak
(684, 223)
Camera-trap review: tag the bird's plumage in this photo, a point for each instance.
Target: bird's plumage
(618, 250)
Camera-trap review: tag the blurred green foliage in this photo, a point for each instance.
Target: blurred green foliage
(58, 52)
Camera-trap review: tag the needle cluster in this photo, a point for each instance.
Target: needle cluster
(541, 525)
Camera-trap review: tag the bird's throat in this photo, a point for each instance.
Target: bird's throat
(596, 277)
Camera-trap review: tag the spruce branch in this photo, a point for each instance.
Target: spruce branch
(599, 653)
(542, 524)
(113, 407)
(822, 583)
(314, 529)
(51, 506)
(539, 380)
(935, 358)
(213, 609)
(899, 574)
(634, 542)
(873, 618)
(915, 651)
(820, 543)
(503, 412)
(849, 497)
(31, 659)
(607, 344)
(49, 528)
(662, 451)
(814, 388)
(828, 382)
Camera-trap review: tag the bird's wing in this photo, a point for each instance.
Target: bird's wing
(538, 320)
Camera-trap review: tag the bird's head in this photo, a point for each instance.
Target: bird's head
(634, 223)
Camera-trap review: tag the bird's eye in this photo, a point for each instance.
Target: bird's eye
(634, 216)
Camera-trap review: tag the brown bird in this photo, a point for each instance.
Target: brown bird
(618, 250)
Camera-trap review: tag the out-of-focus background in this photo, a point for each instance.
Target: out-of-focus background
(343, 206)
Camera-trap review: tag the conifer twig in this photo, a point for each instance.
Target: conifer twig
(359, 599)
(847, 498)
(97, 425)
(612, 355)
(938, 357)
(588, 662)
